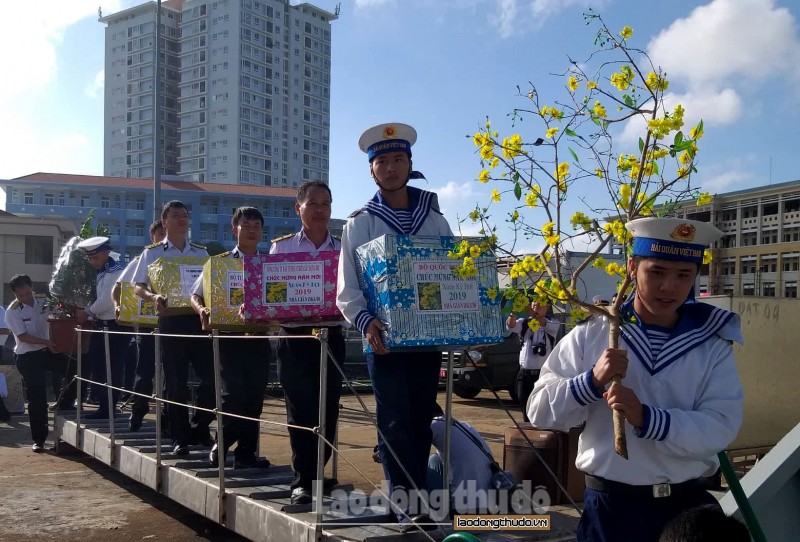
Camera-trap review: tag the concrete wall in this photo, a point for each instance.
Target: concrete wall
(768, 367)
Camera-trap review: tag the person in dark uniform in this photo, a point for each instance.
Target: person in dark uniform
(405, 384)
(298, 360)
(144, 345)
(244, 369)
(177, 352)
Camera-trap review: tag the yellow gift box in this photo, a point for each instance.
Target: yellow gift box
(223, 293)
(133, 310)
(174, 278)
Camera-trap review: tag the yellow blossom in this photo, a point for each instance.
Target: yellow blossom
(495, 195)
(654, 82)
(572, 83)
(696, 132)
(483, 176)
(551, 132)
(703, 199)
(599, 110)
(531, 199)
(487, 150)
(491, 293)
(591, 85)
(515, 216)
(579, 219)
(475, 215)
(478, 139)
(533, 324)
(551, 112)
(494, 162)
(615, 269)
(682, 172)
(599, 262)
(626, 32)
(685, 158)
(551, 236)
(563, 171)
(474, 251)
(707, 257)
(622, 79)
(520, 303)
(512, 146)
(599, 173)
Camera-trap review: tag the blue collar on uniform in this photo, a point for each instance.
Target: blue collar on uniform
(421, 202)
(697, 322)
(110, 266)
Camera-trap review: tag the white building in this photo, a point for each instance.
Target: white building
(245, 93)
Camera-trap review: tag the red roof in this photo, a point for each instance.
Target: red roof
(117, 182)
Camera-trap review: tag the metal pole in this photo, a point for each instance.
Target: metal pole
(109, 391)
(79, 391)
(748, 514)
(220, 432)
(322, 335)
(157, 121)
(448, 419)
(157, 395)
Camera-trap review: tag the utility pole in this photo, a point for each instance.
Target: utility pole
(157, 119)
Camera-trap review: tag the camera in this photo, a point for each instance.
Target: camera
(540, 349)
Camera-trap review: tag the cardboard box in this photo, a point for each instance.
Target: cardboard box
(133, 310)
(174, 278)
(223, 293)
(410, 287)
(297, 287)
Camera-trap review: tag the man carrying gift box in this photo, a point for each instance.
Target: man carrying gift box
(680, 392)
(34, 353)
(178, 352)
(298, 360)
(143, 345)
(102, 315)
(405, 384)
(243, 369)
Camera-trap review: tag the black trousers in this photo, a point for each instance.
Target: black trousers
(526, 379)
(177, 353)
(33, 367)
(244, 368)
(145, 372)
(298, 370)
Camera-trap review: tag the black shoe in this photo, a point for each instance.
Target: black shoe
(213, 456)
(38, 448)
(180, 449)
(66, 407)
(136, 420)
(254, 463)
(301, 495)
(99, 414)
(328, 484)
(202, 436)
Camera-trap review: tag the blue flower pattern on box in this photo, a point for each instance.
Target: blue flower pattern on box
(387, 278)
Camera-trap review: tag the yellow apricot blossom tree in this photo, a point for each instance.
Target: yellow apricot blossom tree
(567, 149)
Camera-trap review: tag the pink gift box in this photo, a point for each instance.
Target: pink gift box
(294, 287)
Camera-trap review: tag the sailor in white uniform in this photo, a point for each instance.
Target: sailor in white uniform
(680, 392)
(405, 384)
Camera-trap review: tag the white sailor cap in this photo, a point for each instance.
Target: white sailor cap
(668, 238)
(389, 137)
(599, 300)
(95, 245)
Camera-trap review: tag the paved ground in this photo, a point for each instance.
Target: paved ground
(72, 497)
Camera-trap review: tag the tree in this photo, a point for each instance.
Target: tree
(570, 147)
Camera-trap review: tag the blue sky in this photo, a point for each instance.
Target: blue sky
(443, 67)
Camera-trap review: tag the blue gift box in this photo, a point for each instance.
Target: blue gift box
(409, 285)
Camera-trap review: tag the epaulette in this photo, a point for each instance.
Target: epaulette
(154, 245)
(14, 304)
(282, 237)
(40, 296)
(197, 245)
(355, 213)
(337, 237)
(224, 254)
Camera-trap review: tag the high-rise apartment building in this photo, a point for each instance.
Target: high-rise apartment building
(245, 91)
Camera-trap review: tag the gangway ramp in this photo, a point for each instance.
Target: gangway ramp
(256, 502)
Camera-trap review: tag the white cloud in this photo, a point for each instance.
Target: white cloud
(721, 41)
(94, 89)
(505, 18)
(510, 18)
(727, 181)
(453, 191)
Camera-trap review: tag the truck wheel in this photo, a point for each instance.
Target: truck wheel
(465, 392)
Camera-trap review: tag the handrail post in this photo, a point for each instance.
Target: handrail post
(79, 391)
(157, 377)
(220, 433)
(109, 392)
(448, 425)
(322, 335)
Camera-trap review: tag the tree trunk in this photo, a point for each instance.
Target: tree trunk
(620, 443)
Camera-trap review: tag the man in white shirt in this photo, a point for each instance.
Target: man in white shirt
(103, 316)
(5, 415)
(536, 345)
(26, 317)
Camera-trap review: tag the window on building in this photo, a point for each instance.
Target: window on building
(790, 290)
(49, 199)
(105, 202)
(748, 289)
(38, 250)
(28, 198)
(768, 289)
(84, 201)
